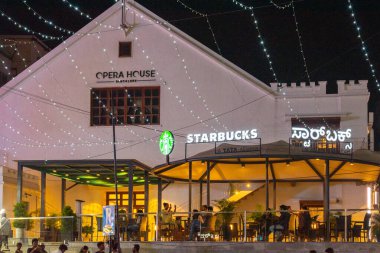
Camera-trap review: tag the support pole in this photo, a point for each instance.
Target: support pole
(63, 193)
(208, 184)
(130, 191)
(146, 192)
(19, 182)
(326, 199)
(266, 184)
(190, 187)
(200, 193)
(159, 204)
(146, 199)
(274, 193)
(43, 195)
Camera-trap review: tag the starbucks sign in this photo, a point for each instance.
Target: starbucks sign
(166, 142)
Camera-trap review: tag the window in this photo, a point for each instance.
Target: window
(138, 200)
(136, 105)
(125, 49)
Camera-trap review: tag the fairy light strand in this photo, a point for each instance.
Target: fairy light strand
(46, 21)
(364, 48)
(25, 28)
(76, 9)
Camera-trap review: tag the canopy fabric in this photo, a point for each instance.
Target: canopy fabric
(93, 172)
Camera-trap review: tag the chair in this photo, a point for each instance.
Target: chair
(360, 229)
(338, 229)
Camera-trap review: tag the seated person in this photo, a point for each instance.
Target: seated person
(134, 228)
(304, 226)
(283, 223)
(265, 222)
(195, 224)
(205, 216)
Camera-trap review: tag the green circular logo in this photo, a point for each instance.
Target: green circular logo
(166, 142)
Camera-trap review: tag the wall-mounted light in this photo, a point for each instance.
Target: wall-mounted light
(243, 165)
(203, 162)
(287, 163)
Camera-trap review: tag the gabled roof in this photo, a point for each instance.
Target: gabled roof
(112, 10)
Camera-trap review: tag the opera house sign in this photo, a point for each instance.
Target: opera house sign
(308, 134)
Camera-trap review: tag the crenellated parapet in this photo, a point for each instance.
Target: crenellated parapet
(318, 88)
(350, 87)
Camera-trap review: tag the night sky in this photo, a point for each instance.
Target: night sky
(330, 42)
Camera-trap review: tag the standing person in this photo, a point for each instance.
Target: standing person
(43, 248)
(18, 245)
(101, 247)
(84, 249)
(195, 224)
(136, 248)
(35, 248)
(167, 213)
(5, 229)
(61, 249)
(304, 226)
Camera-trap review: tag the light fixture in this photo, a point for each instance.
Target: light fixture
(108, 178)
(317, 159)
(122, 170)
(287, 163)
(55, 171)
(98, 175)
(66, 175)
(88, 171)
(248, 185)
(78, 178)
(243, 165)
(203, 162)
(351, 163)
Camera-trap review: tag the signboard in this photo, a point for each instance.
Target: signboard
(166, 142)
(222, 136)
(130, 76)
(310, 135)
(108, 222)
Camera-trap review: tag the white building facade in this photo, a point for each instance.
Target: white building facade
(161, 79)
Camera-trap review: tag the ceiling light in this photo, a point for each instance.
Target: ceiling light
(87, 171)
(54, 171)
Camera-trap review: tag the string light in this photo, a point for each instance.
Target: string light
(363, 45)
(20, 26)
(47, 22)
(267, 55)
(304, 60)
(76, 9)
(282, 7)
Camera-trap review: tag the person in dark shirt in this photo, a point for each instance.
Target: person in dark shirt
(329, 250)
(101, 247)
(195, 224)
(18, 245)
(304, 226)
(43, 248)
(282, 224)
(35, 248)
(136, 248)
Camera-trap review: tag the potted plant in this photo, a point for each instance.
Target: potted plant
(257, 214)
(20, 210)
(87, 230)
(226, 215)
(68, 225)
(375, 226)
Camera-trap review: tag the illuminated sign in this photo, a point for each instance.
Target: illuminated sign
(308, 134)
(222, 136)
(166, 142)
(129, 76)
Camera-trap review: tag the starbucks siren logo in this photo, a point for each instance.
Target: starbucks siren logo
(166, 142)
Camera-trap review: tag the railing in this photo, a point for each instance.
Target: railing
(344, 225)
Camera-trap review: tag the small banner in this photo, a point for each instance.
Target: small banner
(108, 224)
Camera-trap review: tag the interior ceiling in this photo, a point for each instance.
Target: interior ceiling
(254, 169)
